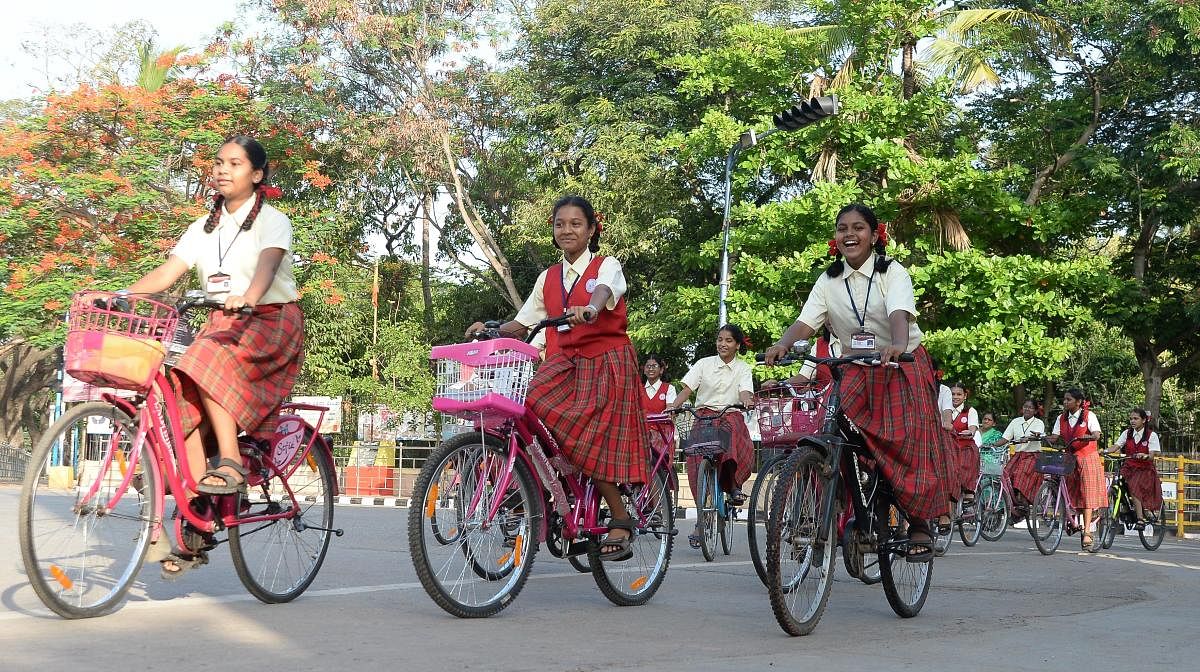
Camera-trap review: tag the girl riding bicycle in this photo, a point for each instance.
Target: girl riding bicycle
(965, 423)
(719, 381)
(1140, 442)
(586, 392)
(1021, 470)
(659, 393)
(868, 299)
(1078, 428)
(239, 368)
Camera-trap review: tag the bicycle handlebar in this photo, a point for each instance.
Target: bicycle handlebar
(688, 408)
(868, 358)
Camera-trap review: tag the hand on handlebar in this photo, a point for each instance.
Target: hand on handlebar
(236, 302)
(581, 315)
(890, 355)
(774, 354)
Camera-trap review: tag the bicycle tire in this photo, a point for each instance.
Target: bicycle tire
(1106, 529)
(969, 527)
(905, 584)
(993, 512)
(1047, 513)
(441, 568)
(799, 595)
(266, 570)
(727, 515)
(580, 563)
(706, 511)
(870, 573)
(63, 578)
(757, 513)
(1152, 541)
(632, 582)
(942, 542)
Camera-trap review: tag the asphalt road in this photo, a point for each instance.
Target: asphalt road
(998, 606)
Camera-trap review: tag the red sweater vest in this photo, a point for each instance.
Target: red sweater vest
(657, 403)
(960, 425)
(1137, 448)
(1067, 432)
(589, 340)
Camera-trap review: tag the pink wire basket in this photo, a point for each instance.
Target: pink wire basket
(117, 343)
(484, 380)
(787, 414)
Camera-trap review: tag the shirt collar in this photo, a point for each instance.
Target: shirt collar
(580, 264)
(241, 213)
(867, 270)
(652, 386)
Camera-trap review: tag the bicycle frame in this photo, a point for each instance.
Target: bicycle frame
(163, 440)
(526, 434)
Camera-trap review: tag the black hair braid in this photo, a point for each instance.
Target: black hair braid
(214, 217)
(259, 199)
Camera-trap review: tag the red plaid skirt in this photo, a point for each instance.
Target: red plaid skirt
(593, 409)
(1086, 484)
(246, 364)
(734, 465)
(968, 464)
(896, 411)
(1022, 474)
(1143, 484)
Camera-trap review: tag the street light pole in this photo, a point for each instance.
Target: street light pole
(798, 116)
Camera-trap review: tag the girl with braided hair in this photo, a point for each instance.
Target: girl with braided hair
(240, 368)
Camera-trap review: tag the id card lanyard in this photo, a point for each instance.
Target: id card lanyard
(566, 292)
(863, 339)
(220, 283)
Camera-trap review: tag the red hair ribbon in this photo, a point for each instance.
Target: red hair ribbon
(746, 342)
(883, 238)
(599, 222)
(269, 192)
(833, 247)
(1086, 404)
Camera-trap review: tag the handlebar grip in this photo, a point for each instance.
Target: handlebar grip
(906, 357)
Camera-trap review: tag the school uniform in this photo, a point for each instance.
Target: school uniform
(1021, 469)
(1086, 484)
(587, 392)
(1141, 475)
(659, 394)
(967, 455)
(247, 364)
(893, 408)
(717, 384)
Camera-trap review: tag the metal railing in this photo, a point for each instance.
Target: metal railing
(1183, 472)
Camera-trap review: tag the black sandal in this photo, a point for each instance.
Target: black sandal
(945, 528)
(184, 563)
(232, 485)
(622, 550)
(919, 550)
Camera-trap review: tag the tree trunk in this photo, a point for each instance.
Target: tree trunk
(26, 373)
(1018, 397)
(426, 290)
(907, 70)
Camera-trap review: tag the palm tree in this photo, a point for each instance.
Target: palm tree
(156, 67)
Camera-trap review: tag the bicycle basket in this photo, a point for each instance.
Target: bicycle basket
(1055, 462)
(703, 436)
(119, 346)
(784, 418)
(485, 378)
(991, 460)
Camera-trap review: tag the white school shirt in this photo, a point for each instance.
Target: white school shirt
(972, 421)
(945, 399)
(652, 389)
(717, 384)
(890, 292)
(234, 252)
(1020, 428)
(1155, 446)
(1093, 425)
(609, 274)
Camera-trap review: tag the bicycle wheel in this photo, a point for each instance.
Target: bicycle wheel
(634, 581)
(993, 511)
(800, 545)
(906, 584)
(757, 513)
(83, 538)
(506, 543)
(941, 542)
(1152, 535)
(968, 523)
(581, 564)
(1047, 517)
(277, 560)
(706, 510)
(1106, 531)
(727, 515)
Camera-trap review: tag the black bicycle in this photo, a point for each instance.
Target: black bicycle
(824, 473)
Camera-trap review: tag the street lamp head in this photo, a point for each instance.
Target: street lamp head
(807, 112)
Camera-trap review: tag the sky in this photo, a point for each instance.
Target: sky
(187, 23)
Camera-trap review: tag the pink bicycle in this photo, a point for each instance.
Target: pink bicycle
(485, 501)
(86, 525)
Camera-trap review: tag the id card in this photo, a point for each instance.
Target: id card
(862, 340)
(218, 283)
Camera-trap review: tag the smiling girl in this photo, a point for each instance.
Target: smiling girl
(240, 368)
(868, 301)
(587, 391)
